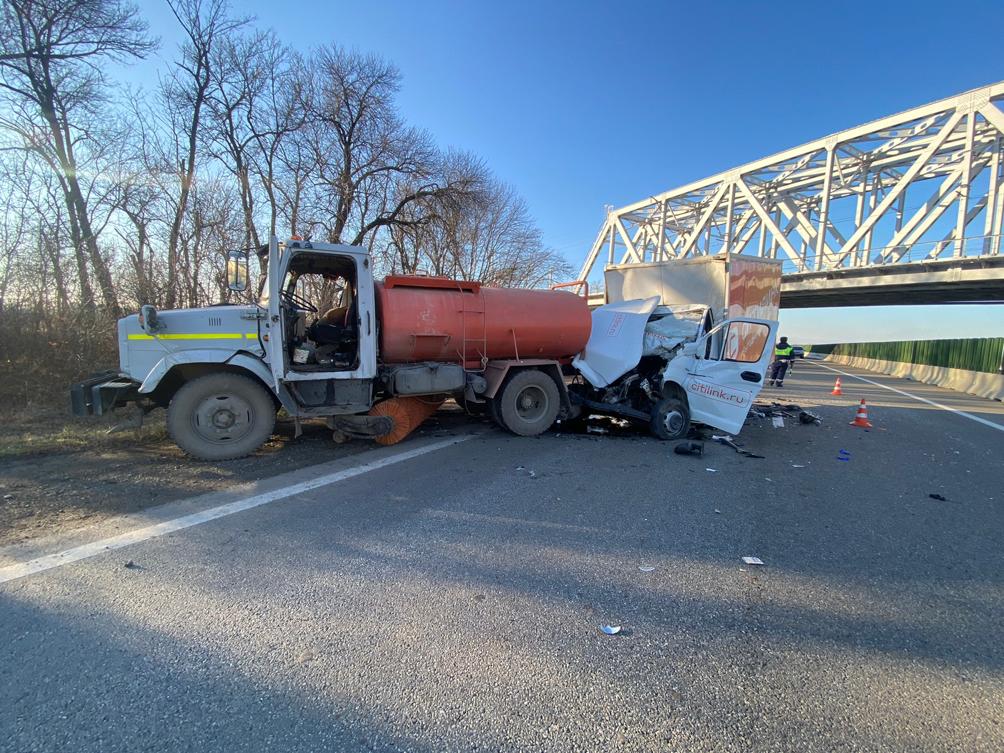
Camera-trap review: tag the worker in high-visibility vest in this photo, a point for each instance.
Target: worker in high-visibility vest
(782, 357)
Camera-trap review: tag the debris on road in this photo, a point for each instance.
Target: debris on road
(711, 470)
(939, 497)
(717, 511)
(689, 448)
(776, 411)
(646, 568)
(610, 629)
(844, 456)
(805, 417)
(728, 442)
(131, 565)
(752, 560)
(794, 465)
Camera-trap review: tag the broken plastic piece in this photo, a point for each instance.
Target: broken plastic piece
(793, 465)
(752, 560)
(610, 629)
(646, 568)
(711, 470)
(778, 422)
(938, 497)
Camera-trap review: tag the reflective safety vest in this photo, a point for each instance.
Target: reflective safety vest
(782, 353)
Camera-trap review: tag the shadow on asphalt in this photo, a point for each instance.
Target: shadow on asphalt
(868, 571)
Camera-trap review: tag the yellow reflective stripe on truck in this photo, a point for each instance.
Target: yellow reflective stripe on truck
(198, 336)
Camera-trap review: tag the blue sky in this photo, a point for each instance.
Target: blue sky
(585, 104)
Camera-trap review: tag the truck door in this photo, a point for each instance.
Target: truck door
(276, 345)
(725, 372)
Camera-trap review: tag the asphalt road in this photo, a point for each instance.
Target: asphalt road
(452, 601)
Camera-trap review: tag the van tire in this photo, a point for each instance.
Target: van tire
(670, 419)
(529, 403)
(221, 416)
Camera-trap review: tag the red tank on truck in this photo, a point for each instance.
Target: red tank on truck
(325, 340)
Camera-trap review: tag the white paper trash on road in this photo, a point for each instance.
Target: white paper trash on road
(610, 629)
(752, 560)
(778, 422)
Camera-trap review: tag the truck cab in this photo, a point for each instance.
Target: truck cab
(320, 335)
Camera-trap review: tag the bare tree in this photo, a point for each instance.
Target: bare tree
(257, 102)
(51, 55)
(376, 171)
(205, 24)
(489, 236)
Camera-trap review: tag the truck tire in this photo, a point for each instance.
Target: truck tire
(670, 419)
(221, 417)
(493, 411)
(529, 403)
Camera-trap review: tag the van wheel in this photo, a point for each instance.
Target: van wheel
(670, 419)
(221, 417)
(529, 403)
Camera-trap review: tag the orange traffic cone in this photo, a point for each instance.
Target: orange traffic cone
(862, 418)
(836, 388)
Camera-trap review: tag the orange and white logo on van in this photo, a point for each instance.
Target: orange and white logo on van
(719, 393)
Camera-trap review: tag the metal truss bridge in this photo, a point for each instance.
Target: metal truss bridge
(906, 209)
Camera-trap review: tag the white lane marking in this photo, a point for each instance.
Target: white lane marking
(49, 561)
(984, 421)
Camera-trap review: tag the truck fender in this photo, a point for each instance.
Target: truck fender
(168, 362)
(261, 370)
(208, 356)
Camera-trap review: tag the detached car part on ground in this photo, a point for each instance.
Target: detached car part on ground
(385, 355)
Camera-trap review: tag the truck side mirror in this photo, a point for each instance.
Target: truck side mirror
(237, 270)
(148, 318)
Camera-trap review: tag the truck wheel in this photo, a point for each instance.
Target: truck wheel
(493, 411)
(529, 403)
(670, 419)
(221, 417)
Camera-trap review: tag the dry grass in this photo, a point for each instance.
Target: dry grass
(40, 430)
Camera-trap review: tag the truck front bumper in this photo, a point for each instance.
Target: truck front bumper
(101, 393)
